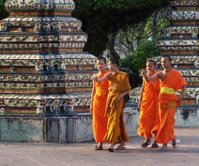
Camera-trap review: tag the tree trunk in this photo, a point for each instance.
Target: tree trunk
(111, 46)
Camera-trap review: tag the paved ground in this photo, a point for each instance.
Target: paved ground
(50, 154)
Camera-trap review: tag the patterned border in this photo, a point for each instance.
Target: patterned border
(42, 104)
(38, 5)
(36, 46)
(45, 23)
(184, 15)
(31, 38)
(193, 30)
(178, 42)
(184, 3)
(181, 59)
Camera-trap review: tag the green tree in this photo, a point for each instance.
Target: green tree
(3, 12)
(103, 19)
(138, 42)
(1, 3)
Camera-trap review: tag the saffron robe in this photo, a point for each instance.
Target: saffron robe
(149, 112)
(118, 83)
(99, 121)
(167, 104)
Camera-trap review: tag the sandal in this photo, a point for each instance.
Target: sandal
(154, 145)
(111, 149)
(99, 147)
(145, 144)
(121, 147)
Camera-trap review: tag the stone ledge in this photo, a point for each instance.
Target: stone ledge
(72, 128)
(75, 128)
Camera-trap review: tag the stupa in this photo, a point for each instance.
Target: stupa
(44, 72)
(181, 42)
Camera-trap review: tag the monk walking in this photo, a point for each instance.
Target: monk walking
(170, 81)
(148, 106)
(118, 87)
(98, 104)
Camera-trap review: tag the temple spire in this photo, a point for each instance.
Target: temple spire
(181, 42)
(43, 67)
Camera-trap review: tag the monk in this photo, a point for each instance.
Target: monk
(98, 104)
(118, 87)
(148, 106)
(170, 82)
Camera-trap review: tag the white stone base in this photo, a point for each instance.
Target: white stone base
(76, 128)
(187, 117)
(46, 129)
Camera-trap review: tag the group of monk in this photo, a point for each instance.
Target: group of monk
(157, 105)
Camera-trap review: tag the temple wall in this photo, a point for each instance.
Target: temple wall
(73, 129)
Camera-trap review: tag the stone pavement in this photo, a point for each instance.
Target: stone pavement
(52, 154)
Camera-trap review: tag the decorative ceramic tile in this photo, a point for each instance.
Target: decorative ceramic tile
(179, 48)
(37, 5)
(47, 59)
(184, 15)
(181, 59)
(189, 72)
(182, 30)
(180, 41)
(184, 3)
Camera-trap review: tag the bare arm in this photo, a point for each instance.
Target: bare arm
(92, 95)
(140, 100)
(150, 78)
(182, 93)
(106, 76)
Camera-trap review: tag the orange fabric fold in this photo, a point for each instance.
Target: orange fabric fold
(111, 103)
(118, 83)
(149, 114)
(99, 121)
(166, 100)
(167, 106)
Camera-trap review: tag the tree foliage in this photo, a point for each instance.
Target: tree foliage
(1, 3)
(3, 12)
(138, 42)
(103, 19)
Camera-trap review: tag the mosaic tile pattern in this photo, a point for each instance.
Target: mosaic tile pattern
(184, 3)
(37, 5)
(180, 41)
(43, 67)
(183, 59)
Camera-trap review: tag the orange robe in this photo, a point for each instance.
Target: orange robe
(118, 83)
(99, 122)
(149, 114)
(167, 104)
